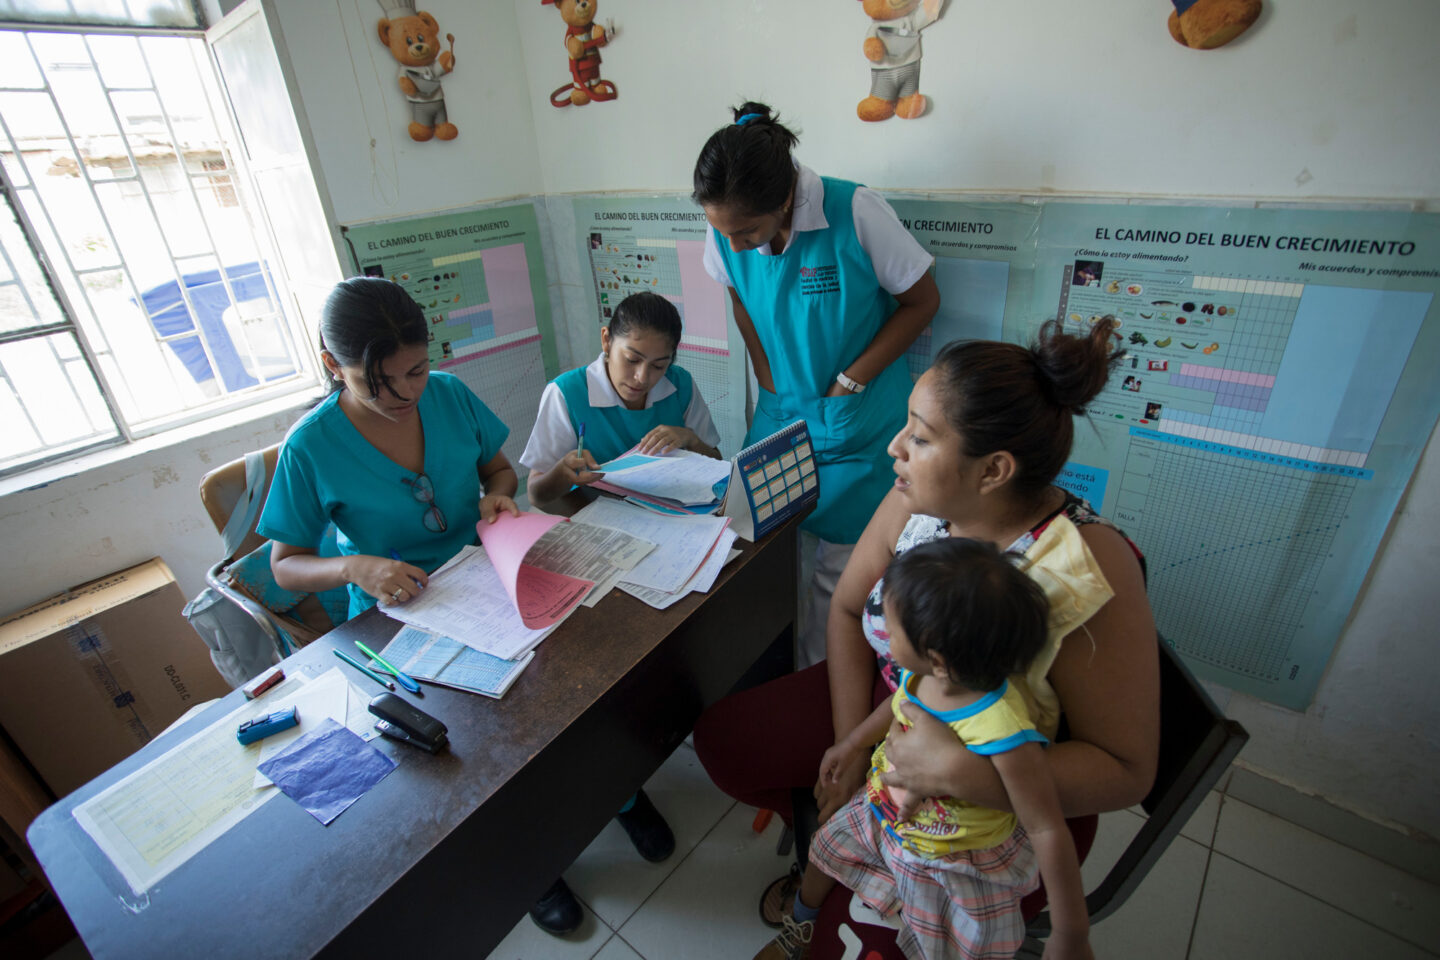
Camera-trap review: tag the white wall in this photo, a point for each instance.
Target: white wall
(1324, 98)
(358, 116)
(81, 521)
(1038, 96)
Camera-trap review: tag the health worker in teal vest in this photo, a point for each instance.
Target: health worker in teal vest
(403, 461)
(829, 291)
(633, 394)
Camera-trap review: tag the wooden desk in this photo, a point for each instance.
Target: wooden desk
(444, 855)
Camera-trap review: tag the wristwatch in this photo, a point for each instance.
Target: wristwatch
(849, 384)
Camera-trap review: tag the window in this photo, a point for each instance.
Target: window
(137, 290)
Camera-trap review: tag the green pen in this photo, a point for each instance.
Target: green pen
(365, 670)
(406, 681)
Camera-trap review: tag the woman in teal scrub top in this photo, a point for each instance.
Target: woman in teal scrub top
(829, 291)
(403, 461)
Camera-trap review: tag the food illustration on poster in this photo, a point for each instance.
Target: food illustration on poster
(1270, 408)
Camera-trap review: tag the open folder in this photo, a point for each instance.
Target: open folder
(677, 482)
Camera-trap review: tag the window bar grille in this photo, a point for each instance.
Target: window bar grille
(104, 215)
(20, 403)
(67, 325)
(199, 209)
(81, 330)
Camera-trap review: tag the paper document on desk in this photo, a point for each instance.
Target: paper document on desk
(330, 695)
(701, 582)
(683, 542)
(172, 808)
(467, 601)
(543, 595)
(685, 477)
(451, 663)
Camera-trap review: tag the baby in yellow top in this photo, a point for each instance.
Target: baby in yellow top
(961, 619)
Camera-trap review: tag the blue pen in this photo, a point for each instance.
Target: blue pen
(395, 555)
(580, 447)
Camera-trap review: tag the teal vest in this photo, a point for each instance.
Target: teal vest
(610, 431)
(816, 307)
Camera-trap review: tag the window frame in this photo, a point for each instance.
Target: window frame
(305, 377)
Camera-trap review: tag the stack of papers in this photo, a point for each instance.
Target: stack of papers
(690, 554)
(530, 573)
(678, 483)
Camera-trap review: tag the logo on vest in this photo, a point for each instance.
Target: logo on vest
(817, 280)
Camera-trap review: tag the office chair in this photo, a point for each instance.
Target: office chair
(233, 496)
(1197, 743)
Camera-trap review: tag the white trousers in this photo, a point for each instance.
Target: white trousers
(821, 563)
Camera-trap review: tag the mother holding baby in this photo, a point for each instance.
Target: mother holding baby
(988, 428)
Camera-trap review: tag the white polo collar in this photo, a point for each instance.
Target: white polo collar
(602, 392)
(809, 207)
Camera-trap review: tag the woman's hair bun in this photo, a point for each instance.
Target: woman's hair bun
(763, 111)
(1073, 369)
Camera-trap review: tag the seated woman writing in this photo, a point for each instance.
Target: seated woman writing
(633, 394)
(403, 461)
(989, 427)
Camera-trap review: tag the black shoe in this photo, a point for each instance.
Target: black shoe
(647, 829)
(558, 911)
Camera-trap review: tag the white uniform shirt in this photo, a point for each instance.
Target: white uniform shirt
(897, 257)
(554, 435)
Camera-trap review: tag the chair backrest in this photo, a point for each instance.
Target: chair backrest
(221, 491)
(1197, 743)
(222, 488)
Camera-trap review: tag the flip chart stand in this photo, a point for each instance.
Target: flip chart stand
(771, 481)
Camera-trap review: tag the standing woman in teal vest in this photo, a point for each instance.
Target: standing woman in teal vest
(829, 291)
(633, 393)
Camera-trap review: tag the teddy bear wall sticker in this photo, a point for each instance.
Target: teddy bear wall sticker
(892, 45)
(583, 40)
(413, 38)
(1207, 24)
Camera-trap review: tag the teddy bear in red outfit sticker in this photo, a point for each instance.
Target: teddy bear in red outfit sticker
(583, 40)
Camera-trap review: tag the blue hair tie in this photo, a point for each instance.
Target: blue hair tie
(748, 117)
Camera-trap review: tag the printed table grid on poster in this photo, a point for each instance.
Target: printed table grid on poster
(1235, 552)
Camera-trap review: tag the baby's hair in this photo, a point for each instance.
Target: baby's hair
(963, 600)
(365, 320)
(746, 164)
(647, 311)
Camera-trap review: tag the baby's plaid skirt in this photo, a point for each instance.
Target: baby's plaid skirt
(966, 904)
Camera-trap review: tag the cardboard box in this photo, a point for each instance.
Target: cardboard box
(90, 676)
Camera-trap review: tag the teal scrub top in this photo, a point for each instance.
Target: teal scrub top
(328, 473)
(610, 431)
(816, 306)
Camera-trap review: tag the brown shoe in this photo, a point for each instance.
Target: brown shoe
(778, 900)
(792, 943)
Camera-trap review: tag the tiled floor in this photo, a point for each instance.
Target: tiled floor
(1238, 884)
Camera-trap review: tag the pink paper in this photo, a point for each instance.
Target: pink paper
(542, 596)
